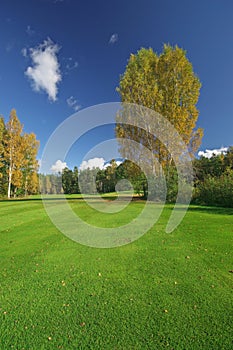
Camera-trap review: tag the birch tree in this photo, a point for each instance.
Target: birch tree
(2, 127)
(30, 164)
(13, 151)
(166, 84)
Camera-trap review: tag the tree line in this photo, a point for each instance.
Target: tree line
(18, 163)
(91, 181)
(212, 181)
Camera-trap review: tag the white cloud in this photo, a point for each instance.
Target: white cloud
(72, 102)
(45, 73)
(92, 163)
(113, 39)
(77, 108)
(96, 163)
(58, 166)
(24, 52)
(208, 153)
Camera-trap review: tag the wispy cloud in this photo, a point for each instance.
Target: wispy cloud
(92, 163)
(113, 39)
(10, 46)
(73, 103)
(30, 31)
(45, 71)
(58, 166)
(208, 153)
(24, 52)
(71, 64)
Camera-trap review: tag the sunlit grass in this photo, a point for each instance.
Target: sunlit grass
(163, 291)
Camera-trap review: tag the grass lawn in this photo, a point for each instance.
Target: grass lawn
(163, 291)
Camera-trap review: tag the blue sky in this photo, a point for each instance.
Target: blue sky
(86, 63)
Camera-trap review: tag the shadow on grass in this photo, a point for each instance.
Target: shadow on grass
(79, 198)
(211, 210)
(201, 209)
(192, 207)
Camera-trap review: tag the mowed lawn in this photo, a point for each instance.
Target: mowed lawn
(163, 291)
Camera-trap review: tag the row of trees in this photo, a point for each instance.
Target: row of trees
(213, 181)
(91, 181)
(18, 163)
(50, 184)
(66, 182)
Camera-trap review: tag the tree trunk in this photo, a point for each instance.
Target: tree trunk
(9, 183)
(26, 187)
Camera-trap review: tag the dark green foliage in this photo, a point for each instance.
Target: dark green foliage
(172, 184)
(75, 184)
(215, 190)
(67, 181)
(70, 183)
(204, 167)
(214, 180)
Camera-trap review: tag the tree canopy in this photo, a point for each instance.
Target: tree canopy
(166, 84)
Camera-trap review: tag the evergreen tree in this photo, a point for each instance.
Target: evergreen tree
(67, 180)
(75, 183)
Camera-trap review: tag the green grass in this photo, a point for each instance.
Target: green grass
(163, 291)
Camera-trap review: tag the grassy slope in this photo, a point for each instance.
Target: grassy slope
(164, 291)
